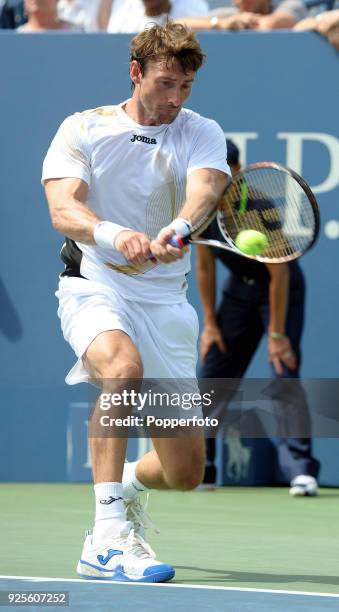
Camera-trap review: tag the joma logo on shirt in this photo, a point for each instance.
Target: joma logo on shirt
(143, 139)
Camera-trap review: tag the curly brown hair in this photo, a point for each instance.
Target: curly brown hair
(168, 42)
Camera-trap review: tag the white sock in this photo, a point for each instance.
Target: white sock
(110, 515)
(131, 485)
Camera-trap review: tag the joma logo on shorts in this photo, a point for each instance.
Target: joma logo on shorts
(143, 139)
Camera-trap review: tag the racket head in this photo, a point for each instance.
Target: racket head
(274, 200)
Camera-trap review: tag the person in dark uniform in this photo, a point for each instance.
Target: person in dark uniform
(257, 299)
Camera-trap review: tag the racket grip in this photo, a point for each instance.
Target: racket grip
(176, 241)
(179, 241)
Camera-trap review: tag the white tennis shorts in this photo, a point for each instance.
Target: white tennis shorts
(164, 334)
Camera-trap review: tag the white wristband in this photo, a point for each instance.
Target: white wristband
(182, 227)
(105, 234)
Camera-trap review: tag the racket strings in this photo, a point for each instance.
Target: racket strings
(275, 205)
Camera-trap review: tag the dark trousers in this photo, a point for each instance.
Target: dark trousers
(243, 317)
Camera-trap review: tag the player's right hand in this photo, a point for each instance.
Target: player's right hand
(211, 334)
(163, 251)
(134, 246)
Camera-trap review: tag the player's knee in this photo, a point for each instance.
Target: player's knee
(114, 376)
(187, 477)
(125, 368)
(185, 482)
(129, 369)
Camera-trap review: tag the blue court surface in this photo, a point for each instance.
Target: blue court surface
(103, 596)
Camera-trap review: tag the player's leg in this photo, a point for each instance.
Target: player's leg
(295, 447)
(112, 360)
(168, 348)
(242, 330)
(176, 463)
(96, 323)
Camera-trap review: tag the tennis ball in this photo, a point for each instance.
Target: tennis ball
(251, 242)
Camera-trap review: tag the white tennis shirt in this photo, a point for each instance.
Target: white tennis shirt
(137, 177)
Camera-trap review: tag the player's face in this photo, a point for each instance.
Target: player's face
(163, 89)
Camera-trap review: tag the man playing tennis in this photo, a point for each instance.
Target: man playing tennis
(120, 181)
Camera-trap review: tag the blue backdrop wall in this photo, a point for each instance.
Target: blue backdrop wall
(275, 94)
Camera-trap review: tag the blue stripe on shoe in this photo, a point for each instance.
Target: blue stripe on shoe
(157, 573)
(166, 571)
(154, 573)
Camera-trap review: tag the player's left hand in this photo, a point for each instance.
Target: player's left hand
(280, 353)
(163, 251)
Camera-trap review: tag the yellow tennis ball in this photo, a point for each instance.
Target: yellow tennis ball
(251, 242)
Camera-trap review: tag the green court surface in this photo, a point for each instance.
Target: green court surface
(235, 537)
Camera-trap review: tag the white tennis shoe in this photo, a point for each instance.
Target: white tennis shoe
(125, 557)
(304, 485)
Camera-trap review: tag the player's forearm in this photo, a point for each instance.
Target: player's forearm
(198, 206)
(278, 299)
(75, 220)
(69, 212)
(203, 197)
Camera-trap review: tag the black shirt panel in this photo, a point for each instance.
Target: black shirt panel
(71, 256)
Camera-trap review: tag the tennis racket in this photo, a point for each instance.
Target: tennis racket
(268, 198)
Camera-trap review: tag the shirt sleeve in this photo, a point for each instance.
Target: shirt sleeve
(69, 155)
(209, 148)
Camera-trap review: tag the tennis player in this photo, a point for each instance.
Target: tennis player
(120, 181)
